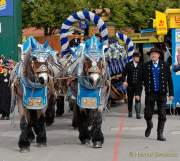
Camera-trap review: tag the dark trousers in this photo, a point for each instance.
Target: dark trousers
(5, 100)
(131, 92)
(150, 101)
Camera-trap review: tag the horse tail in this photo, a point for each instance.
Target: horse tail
(50, 111)
(13, 98)
(12, 82)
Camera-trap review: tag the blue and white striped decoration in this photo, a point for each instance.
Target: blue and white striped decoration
(128, 42)
(77, 16)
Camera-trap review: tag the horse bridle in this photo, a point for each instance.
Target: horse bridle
(41, 68)
(94, 68)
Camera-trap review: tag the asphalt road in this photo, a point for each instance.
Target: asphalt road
(124, 141)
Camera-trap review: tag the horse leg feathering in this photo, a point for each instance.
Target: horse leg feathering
(23, 142)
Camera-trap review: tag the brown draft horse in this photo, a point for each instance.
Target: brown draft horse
(35, 72)
(91, 74)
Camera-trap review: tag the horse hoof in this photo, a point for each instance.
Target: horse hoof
(41, 145)
(86, 141)
(25, 149)
(97, 144)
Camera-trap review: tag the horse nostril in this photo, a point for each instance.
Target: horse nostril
(91, 81)
(41, 80)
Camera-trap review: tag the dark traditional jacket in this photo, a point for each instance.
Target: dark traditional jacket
(134, 75)
(5, 94)
(165, 79)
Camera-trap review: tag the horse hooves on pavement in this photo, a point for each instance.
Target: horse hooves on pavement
(85, 142)
(25, 149)
(97, 144)
(41, 145)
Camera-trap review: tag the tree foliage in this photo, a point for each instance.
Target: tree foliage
(50, 14)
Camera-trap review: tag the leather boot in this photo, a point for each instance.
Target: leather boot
(130, 114)
(130, 111)
(138, 109)
(149, 127)
(160, 130)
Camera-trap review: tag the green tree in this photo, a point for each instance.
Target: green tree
(27, 8)
(50, 14)
(43, 15)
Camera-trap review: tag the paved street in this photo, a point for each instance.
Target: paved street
(95, 50)
(124, 141)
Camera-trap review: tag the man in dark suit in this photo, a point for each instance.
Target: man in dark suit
(5, 94)
(133, 71)
(157, 77)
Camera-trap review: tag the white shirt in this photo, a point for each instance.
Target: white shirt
(135, 64)
(156, 63)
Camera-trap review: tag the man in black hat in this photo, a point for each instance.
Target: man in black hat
(157, 77)
(75, 41)
(133, 71)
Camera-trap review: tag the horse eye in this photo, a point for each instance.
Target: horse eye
(34, 58)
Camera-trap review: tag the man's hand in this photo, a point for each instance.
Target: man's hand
(137, 98)
(170, 98)
(125, 84)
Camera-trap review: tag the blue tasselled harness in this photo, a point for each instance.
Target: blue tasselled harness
(34, 94)
(87, 96)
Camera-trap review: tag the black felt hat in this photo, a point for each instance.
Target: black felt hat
(136, 54)
(155, 50)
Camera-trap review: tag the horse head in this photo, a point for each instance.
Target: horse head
(93, 64)
(37, 63)
(93, 69)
